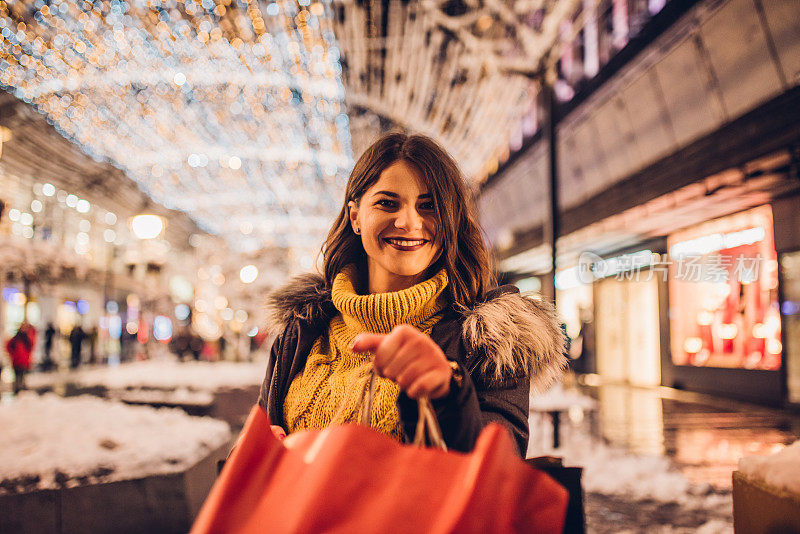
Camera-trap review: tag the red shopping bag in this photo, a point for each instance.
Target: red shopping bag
(350, 478)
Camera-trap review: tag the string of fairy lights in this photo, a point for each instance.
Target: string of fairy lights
(230, 110)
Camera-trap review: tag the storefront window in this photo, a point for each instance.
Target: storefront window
(627, 329)
(575, 308)
(14, 302)
(723, 289)
(529, 285)
(67, 316)
(790, 307)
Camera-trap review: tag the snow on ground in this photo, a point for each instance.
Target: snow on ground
(179, 396)
(70, 441)
(159, 374)
(715, 526)
(614, 471)
(780, 470)
(558, 398)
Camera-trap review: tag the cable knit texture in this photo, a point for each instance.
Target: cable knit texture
(334, 377)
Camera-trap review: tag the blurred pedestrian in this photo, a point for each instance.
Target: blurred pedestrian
(222, 343)
(93, 335)
(126, 342)
(582, 354)
(180, 343)
(47, 359)
(20, 350)
(30, 331)
(196, 346)
(76, 337)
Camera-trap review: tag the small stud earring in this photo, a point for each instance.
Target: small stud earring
(357, 231)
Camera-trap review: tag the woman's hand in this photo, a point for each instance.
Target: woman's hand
(409, 358)
(278, 432)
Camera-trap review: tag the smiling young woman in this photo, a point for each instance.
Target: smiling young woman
(396, 220)
(416, 163)
(407, 288)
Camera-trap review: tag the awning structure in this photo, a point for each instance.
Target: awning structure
(230, 113)
(465, 72)
(34, 151)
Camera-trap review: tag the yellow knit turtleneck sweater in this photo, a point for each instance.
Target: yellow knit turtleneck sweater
(334, 375)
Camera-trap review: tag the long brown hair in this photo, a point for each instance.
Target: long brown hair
(462, 251)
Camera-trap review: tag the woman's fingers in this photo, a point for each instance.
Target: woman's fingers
(408, 373)
(367, 342)
(407, 354)
(433, 384)
(410, 358)
(384, 347)
(389, 348)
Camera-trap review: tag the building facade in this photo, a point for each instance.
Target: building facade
(673, 169)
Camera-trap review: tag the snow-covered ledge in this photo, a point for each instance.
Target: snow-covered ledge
(766, 492)
(53, 442)
(166, 374)
(780, 470)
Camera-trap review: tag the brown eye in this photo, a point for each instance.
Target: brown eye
(427, 206)
(386, 203)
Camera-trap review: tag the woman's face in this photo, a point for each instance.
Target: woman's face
(397, 223)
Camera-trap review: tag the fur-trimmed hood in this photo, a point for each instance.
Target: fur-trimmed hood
(509, 330)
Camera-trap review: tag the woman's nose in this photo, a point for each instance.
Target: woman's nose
(408, 219)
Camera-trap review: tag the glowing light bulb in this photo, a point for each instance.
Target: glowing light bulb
(692, 345)
(248, 274)
(729, 331)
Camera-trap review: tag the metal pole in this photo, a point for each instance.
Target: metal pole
(552, 163)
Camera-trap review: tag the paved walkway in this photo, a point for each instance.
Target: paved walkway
(704, 437)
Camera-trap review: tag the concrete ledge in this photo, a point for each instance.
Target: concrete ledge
(160, 503)
(761, 509)
(232, 405)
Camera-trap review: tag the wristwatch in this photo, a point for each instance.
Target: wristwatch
(458, 374)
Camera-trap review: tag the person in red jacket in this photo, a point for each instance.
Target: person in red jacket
(20, 350)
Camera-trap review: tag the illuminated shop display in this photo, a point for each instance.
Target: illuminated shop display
(14, 302)
(614, 303)
(627, 329)
(790, 308)
(574, 305)
(723, 289)
(573, 301)
(228, 110)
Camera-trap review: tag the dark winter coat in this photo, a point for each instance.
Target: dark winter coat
(504, 345)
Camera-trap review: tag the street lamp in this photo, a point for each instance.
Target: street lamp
(147, 226)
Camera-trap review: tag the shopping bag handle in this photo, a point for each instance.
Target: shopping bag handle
(366, 413)
(427, 425)
(427, 420)
(428, 428)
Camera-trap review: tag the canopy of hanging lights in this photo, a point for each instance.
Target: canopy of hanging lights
(230, 110)
(234, 110)
(466, 72)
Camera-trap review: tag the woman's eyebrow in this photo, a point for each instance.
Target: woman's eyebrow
(424, 196)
